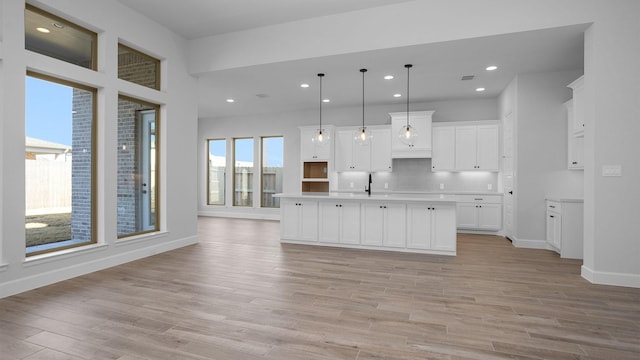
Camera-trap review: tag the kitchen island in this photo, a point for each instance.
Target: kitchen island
(392, 222)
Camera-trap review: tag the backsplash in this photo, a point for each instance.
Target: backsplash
(416, 175)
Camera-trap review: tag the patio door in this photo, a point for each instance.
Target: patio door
(147, 170)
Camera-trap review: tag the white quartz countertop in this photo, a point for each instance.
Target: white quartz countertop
(363, 196)
(564, 199)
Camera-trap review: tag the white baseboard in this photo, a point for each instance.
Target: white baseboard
(52, 276)
(610, 278)
(241, 215)
(530, 244)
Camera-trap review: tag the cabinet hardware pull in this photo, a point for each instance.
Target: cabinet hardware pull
(551, 216)
(552, 206)
(477, 199)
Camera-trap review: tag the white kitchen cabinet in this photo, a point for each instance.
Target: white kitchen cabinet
(312, 150)
(338, 222)
(477, 147)
(381, 149)
(383, 224)
(421, 121)
(351, 156)
(444, 147)
(577, 120)
(431, 226)
(299, 219)
(479, 212)
(565, 227)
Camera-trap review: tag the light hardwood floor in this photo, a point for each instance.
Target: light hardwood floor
(239, 294)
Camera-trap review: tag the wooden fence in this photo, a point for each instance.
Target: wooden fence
(47, 186)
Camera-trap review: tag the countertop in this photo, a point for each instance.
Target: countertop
(564, 199)
(362, 196)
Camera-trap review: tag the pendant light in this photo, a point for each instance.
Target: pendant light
(408, 134)
(321, 137)
(363, 136)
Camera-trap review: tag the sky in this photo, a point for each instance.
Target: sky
(244, 150)
(48, 111)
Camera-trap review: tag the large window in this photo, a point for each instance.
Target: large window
(217, 165)
(137, 167)
(243, 172)
(59, 164)
(58, 38)
(272, 166)
(137, 67)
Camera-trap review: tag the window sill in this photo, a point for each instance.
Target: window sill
(4, 267)
(140, 238)
(63, 254)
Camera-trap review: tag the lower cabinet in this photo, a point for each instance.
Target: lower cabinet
(383, 224)
(431, 227)
(300, 220)
(338, 221)
(565, 227)
(479, 212)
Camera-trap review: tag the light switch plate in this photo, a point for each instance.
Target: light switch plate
(441, 186)
(489, 186)
(611, 170)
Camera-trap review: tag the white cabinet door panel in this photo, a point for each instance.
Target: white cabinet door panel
(350, 223)
(396, 226)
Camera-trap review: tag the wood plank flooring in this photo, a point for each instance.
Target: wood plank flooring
(239, 294)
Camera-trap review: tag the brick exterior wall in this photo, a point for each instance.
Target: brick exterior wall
(81, 179)
(137, 69)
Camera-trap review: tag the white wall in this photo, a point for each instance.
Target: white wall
(178, 133)
(611, 56)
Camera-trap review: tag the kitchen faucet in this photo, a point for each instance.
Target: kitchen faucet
(368, 188)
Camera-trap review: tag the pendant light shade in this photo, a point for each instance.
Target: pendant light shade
(363, 135)
(408, 134)
(321, 136)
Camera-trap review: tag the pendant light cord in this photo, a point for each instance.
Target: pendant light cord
(408, 66)
(320, 76)
(363, 71)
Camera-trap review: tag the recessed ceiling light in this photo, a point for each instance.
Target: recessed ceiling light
(43, 30)
(326, 100)
(388, 77)
(491, 68)
(230, 100)
(397, 95)
(304, 85)
(480, 89)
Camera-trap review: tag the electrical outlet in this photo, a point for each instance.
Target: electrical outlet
(441, 186)
(489, 186)
(386, 185)
(351, 184)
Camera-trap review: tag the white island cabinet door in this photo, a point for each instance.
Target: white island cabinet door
(329, 222)
(289, 220)
(395, 225)
(443, 234)
(308, 220)
(419, 226)
(490, 217)
(350, 223)
(372, 223)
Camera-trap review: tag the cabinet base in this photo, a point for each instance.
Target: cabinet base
(366, 247)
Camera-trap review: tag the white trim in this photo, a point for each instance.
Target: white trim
(366, 247)
(4, 267)
(530, 244)
(49, 277)
(241, 215)
(480, 232)
(52, 256)
(142, 237)
(610, 278)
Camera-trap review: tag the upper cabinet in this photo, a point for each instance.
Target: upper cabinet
(313, 150)
(575, 126)
(460, 147)
(577, 119)
(421, 121)
(373, 156)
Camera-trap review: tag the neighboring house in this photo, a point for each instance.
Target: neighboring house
(38, 149)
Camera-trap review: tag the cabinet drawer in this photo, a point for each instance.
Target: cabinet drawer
(483, 199)
(554, 206)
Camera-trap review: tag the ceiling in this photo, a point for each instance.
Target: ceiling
(436, 73)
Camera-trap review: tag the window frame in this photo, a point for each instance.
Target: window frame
(157, 63)
(233, 164)
(224, 188)
(158, 163)
(262, 138)
(68, 23)
(94, 158)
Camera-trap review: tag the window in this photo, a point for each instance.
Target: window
(272, 166)
(59, 164)
(53, 36)
(243, 172)
(138, 68)
(137, 167)
(217, 165)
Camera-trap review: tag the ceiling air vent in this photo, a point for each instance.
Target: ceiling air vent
(262, 96)
(467, 77)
